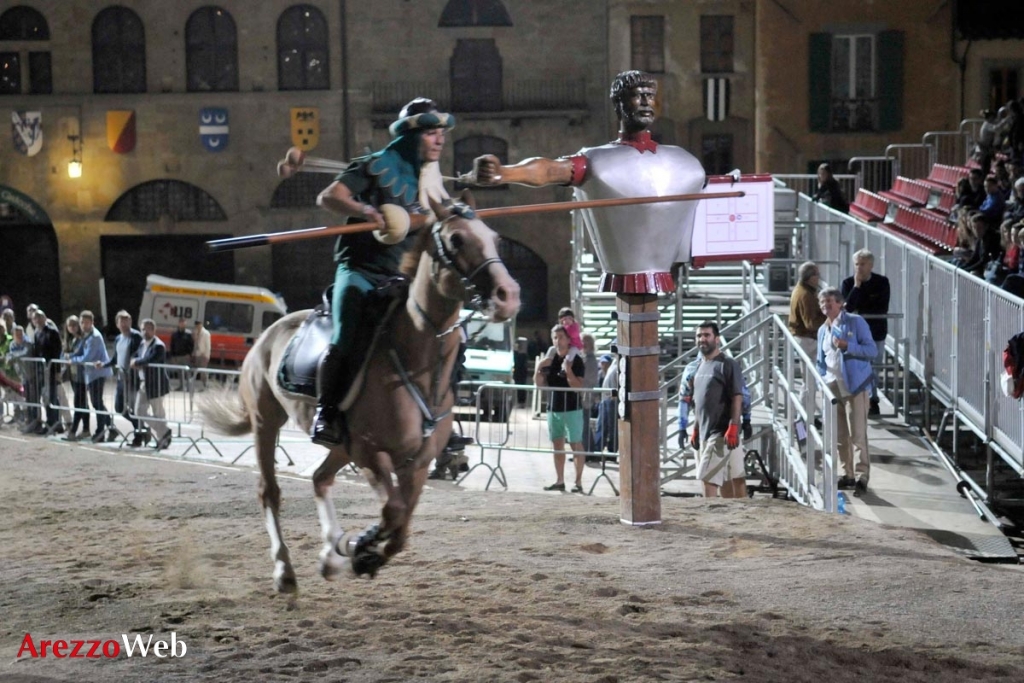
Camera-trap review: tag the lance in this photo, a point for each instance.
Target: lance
(418, 221)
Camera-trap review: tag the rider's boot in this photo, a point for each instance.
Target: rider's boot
(329, 428)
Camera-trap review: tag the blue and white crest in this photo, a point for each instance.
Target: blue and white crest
(213, 128)
(27, 131)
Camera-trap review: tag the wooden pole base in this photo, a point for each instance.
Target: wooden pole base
(639, 460)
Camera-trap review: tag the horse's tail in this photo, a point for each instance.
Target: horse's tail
(224, 412)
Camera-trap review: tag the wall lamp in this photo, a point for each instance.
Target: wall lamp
(75, 165)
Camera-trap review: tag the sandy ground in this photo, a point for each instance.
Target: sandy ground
(495, 586)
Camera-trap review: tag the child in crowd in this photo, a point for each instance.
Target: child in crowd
(567, 319)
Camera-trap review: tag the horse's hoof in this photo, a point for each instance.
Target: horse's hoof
(284, 580)
(332, 564)
(368, 562)
(286, 584)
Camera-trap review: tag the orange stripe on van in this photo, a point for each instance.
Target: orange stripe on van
(213, 293)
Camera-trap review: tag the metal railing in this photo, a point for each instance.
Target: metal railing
(912, 161)
(951, 148)
(807, 183)
(955, 326)
(875, 173)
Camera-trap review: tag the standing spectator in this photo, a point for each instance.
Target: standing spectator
(18, 349)
(718, 408)
(202, 347)
(985, 147)
(606, 435)
(47, 345)
(8, 383)
(182, 347)
(565, 416)
(845, 352)
(805, 315)
(153, 386)
(126, 346)
(72, 344)
(30, 328)
(96, 368)
(567, 319)
(829, 192)
(867, 294)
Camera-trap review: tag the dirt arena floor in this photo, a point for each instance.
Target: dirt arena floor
(495, 587)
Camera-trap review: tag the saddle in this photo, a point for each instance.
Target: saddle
(299, 370)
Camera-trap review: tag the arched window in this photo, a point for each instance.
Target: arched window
(476, 75)
(211, 49)
(527, 267)
(471, 147)
(118, 52)
(24, 24)
(475, 13)
(148, 201)
(302, 49)
(300, 191)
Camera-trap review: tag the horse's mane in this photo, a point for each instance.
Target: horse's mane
(411, 259)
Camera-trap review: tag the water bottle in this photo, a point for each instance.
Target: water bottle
(841, 503)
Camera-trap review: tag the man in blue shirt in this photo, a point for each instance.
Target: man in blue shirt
(845, 352)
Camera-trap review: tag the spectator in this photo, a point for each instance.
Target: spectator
(1014, 283)
(994, 204)
(1014, 214)
(829, 192)
(867, 294)
(182, 347)
(8, 382)
(153, 385)
(686, 400)
(986, 248)
(202, 348)
(126, 346)
(565, 416)
(18, 349)
(606, 434)
(7, 315)
(845, 352)
(567, 319)
(805, 315)
(47, 345)
(971, 194)
(718, 408)
(72, 344)
(591, 371)
(30, 328)
(985, 147)
(92, 354)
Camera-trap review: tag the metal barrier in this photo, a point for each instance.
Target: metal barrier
(955, 327)
(875, 173)
(951, 148)
(807, 183)
(524, 430)
(912, 161)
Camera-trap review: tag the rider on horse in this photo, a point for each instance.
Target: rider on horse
(403, 174)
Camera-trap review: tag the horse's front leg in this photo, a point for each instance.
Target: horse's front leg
(370, 550)
(332, 561)
(410, 485)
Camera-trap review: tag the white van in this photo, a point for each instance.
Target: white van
(235, 315)
(489, 357)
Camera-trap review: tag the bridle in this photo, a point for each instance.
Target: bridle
(444, 257)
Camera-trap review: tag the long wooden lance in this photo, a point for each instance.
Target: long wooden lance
(417, 221)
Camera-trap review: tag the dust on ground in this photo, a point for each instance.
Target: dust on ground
(494, 586)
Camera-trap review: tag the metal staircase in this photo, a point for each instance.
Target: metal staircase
(711, 293)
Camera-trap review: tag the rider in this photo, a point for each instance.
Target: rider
(405, 174)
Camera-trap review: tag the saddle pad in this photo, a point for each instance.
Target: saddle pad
(297, 372)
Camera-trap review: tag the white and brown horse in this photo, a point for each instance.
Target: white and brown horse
(401, 417)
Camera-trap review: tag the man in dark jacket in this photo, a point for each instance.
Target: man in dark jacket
(46, 345)
(182, 347)
(153, 385)
(126, 345)
(867, 295)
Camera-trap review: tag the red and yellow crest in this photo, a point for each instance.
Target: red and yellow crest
(121, 130)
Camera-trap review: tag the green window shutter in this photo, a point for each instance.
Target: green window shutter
(819, 80)
(889, 79)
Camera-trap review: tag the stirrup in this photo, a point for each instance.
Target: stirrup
(329, 428)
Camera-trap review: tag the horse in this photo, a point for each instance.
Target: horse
(401, 417)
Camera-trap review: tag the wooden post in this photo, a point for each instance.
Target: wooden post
(639, 459)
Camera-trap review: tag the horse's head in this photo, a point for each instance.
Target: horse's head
(466, 251)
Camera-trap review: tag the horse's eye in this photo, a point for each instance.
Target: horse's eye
(456, 241)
